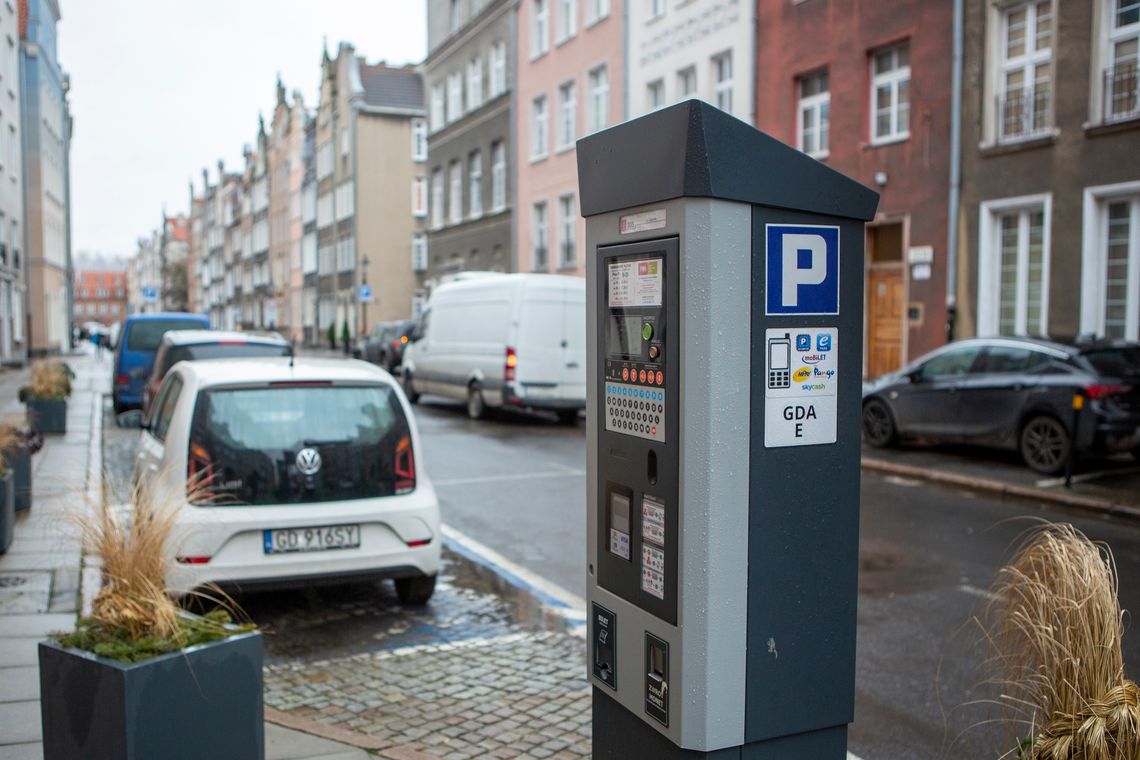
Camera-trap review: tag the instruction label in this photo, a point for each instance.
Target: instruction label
(801, 381)
(643, 222)
(635, 283)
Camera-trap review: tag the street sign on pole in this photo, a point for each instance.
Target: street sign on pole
(149, 293)
(364, 293)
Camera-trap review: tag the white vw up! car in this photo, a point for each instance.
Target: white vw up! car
(309, 470)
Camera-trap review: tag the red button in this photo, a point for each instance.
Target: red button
(625, 373)
(653, 430)
(641, 376)
(660, 378)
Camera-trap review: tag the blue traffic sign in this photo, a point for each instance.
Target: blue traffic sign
(803, 269)
(364, 293)
(149, 293)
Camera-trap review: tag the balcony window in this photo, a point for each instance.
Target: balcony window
(1121, 52)
(1024, 107)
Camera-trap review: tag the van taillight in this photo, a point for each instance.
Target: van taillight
(199, 468)
(122, 379)
(509, 368)
(405, 466)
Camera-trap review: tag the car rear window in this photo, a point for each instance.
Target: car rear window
(146, 334)
(1115, 362)
(233, 350)
(256, 445)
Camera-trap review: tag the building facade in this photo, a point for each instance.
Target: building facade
(681, 49)
(196, 254)
(173, 262)
(100, 296)
(1051, 186)
(569, 84)
(366, 123)
(866, 90)
(46, 235)
(468, 175)
(286, 170)
(13, 271)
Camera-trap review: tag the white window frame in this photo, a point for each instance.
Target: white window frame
(475, 184)
(419, 252)
(598, 104)
(419, 197)
(540, 235)
(567, 114)
(1094, 248)
(722, 85)
(892, 80)
(454, 96)
(540, 28)
(814, 103)
(498, 72)
(656, 9)
(539, 128)
(567, 232)
(437, 112)
(455, 194)
(989, 263)
(498, 176)
(567, 20)
(685, 77)
(596, 10)
(655, 94)
(437, 195)
(474, 84)
(1027, 63)
(419, 140)
(1108, 36)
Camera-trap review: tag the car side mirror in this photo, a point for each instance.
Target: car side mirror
(132, 419)
(915, 376)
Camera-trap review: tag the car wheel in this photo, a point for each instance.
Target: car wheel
(1045, 445)
(410, 389)
(878, 425)
(568, 416)
(475, 405)
(415, 590)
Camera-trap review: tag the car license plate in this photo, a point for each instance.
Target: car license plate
(316, 539)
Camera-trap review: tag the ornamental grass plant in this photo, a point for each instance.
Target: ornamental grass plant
(11, 438)
(1055, 627)
(50, 380)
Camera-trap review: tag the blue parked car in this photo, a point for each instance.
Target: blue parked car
(137, 344)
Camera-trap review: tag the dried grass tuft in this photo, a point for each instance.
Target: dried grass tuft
(11, 438)
(50, 379)
(1056, 628)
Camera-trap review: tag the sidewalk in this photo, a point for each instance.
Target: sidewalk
(40, 575)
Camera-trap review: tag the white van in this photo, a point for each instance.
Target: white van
(503, 340)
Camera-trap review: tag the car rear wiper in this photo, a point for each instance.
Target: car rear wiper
(314, 442)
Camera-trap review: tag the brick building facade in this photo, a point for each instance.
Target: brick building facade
(100, 296)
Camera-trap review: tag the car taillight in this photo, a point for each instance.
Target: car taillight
(511, 363)
(1100, 391)
(405, 466)
(122, 379)
(199, 469)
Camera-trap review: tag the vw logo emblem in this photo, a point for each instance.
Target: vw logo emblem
(308, 461)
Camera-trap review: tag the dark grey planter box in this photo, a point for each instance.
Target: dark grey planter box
(201, 702)
(7, 511)
(22, 478)
(48, 415)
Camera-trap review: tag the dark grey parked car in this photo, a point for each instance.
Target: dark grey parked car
(385, 344)
(1014, 393)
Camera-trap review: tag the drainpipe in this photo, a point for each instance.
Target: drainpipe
(955, 174)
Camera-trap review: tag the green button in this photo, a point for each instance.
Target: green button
(646, 331)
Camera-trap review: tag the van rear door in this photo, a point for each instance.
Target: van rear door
(572, 384)
(552, 345)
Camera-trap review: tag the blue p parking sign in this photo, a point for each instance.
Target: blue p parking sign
(803, 269)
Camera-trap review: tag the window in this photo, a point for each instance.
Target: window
(165, 404)
(454, 96)
(598, 111)
(474, 83)
(539, 237)
(309, 253)
(656, 9)
(1013, 266)
(325, 210)
(1008, 360)
(454, 17)
(538, 128)
(346, 254)
(436, 113)
(955, 362)
(567, 19)
(686, 82)
(475, 185)
(455, 200)
(419, 252)
(596, 10)
(567, 115)
(437, 198)
(812, 115)
(498, 69)
(655, 94)
(419, 197)
(498, 176)
(1110, 270)
(890, 94)
(1121, 56)
(419, 140)
(344, 142)
(324, 162)
(722, 80)
(540, 30)
(567, 225)
(1025, 75)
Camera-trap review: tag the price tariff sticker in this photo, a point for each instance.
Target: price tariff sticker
(653, 520)
(652, 582)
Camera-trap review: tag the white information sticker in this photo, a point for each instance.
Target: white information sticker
(619, 543)
(652, 582)
(653, 558)
(801, 382)
(635, 283)
(643, 222)
(653, 520)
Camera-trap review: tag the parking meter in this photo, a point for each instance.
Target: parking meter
(725, 313)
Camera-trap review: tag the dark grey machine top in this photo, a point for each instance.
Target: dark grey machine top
(693, 149)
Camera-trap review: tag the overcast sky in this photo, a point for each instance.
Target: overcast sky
(162, 88)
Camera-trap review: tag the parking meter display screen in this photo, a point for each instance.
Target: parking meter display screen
(625, 335)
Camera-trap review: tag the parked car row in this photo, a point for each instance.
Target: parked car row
(1016, 394)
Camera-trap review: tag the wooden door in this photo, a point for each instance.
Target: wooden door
(884, 320)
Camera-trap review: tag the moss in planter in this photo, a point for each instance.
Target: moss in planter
(117, 644)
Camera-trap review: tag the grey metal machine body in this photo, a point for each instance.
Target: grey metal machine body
(723, 439)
